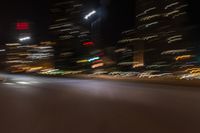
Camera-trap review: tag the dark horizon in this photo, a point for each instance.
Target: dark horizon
(39, 15)
(120, 16)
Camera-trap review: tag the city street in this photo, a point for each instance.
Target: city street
(30, 104)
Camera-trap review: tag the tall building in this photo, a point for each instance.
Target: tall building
(161, 39)
(41, 56)
(72, 36)
(16, 57)
(2, 57)
(23, 54)
(17, 49)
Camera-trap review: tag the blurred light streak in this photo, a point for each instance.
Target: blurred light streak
(90, 14)
(183, 57)
(170, 5)
(97, 65)
(93, 59)
(25, 38)
(2, 50)
(23, 83)
(82, 61)
(9, 83)
(171, 13)
(150, 9)
(98, 61)
(175, 51)
(138, 65)
(179, 14)
(182, 6)
(88, 43)
(125, 63)
(150, 17)
(13, 44)
(150, 24)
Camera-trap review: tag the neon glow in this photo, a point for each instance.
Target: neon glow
(22, 26)
(88, 43)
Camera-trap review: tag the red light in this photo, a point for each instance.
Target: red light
(97, 61)
(22, 26)
(88, 43)
(101, 54)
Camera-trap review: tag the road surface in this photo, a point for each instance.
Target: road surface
(31, 104)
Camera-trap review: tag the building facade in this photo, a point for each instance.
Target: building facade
(161, 39)
(72, 36)
(24, 53)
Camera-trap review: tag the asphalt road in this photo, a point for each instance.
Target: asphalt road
(31, 104)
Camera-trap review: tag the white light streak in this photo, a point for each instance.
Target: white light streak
(2, 50)
(90, 14)
(170, 5)
(25, 38)
(23, 83)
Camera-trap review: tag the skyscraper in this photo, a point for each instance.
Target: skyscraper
(162, 35)
(17, 49)
(24, 54)
(69, 31)
(2, 57)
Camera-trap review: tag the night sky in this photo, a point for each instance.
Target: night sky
(38, 12)
(120, 15)
(32, 10)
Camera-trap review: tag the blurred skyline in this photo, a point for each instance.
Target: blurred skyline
(99, 66)
(123, 34)
(119, 16)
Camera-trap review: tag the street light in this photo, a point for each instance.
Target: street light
(24, 38)
(93, 59)
(90, 14)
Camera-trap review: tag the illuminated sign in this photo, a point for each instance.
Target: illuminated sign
(88, 43)
(22, 26)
